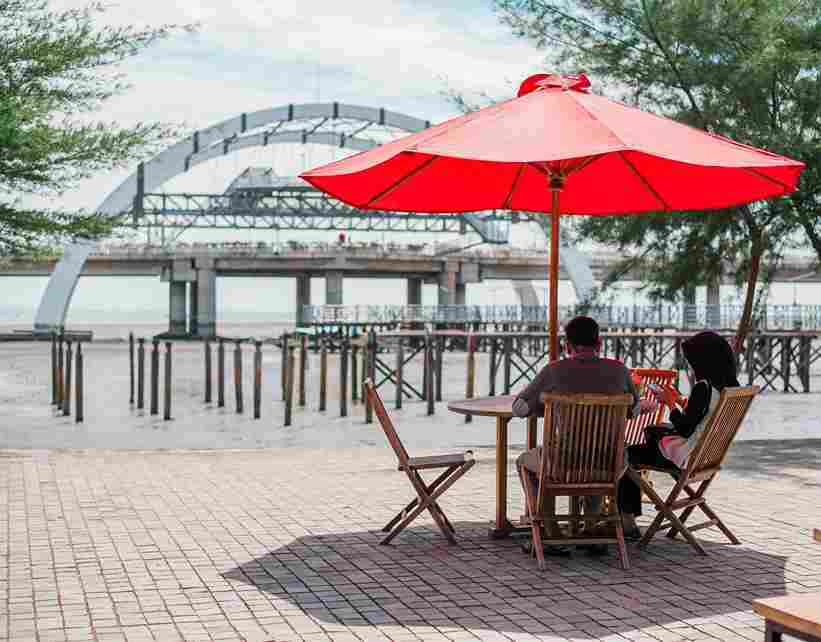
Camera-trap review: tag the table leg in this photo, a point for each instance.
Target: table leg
(502, 527)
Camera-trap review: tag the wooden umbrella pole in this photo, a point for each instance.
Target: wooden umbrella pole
(556, 184)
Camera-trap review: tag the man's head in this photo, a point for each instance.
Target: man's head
(582, 335)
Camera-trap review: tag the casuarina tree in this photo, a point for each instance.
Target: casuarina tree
(56, 70)
(745, 69)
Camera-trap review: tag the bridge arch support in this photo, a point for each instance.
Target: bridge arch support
(346, 126)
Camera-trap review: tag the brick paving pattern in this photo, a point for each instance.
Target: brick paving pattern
(281, 545)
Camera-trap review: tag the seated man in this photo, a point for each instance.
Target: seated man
(582, 371)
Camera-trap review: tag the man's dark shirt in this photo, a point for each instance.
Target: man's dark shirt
(585, 372)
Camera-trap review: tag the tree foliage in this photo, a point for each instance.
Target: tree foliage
(55, 71)
(746, 69)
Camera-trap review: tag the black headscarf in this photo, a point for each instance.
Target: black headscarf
(711, 358)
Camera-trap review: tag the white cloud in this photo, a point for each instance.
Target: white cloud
(255, 54)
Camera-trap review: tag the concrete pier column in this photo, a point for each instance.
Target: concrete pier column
(192, 308)
(303, 296)
(177, 307)
(447, 288)
(414, 291)
(460, 294)
(206, 298)
(333, 288)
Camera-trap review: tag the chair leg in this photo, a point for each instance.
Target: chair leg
(433, 485)
(705, 508)
(622, 546)
(672, 532)
(727, 532)
(444, 517)
(425, 501)
(398, 517)
(535, 526)
(665, 511)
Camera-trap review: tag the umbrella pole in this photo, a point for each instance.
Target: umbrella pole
(554, 272)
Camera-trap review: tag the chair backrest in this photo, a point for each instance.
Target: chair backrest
(721, 429)
(385, 421)
(636, 425)
(583, 439)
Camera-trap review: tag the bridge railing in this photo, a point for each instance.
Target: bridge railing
(686, 316)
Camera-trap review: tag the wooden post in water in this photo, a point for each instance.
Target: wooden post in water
(429, 396)
(53, 368)
(366, 368)
(284, 363)
(492, 381)
(289, 386)
(508, 357)
(140, 374)
(323, 374)
(130, 367)
(471, 381)
(155, 377)
(354, 373)
(78, 402)
(60, 381)
(400, 362)
(805, 351)
(67, 389)
(238, 377)
(257, 378)
(167, 387)
(303, 366)
(439, 342)
(425, 363)
(208, 377)
(221, 374)
(343, 377)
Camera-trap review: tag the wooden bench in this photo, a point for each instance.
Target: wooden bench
(798, 616)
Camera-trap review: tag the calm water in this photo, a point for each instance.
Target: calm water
(101, 303)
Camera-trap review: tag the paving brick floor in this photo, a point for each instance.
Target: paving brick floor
(281, 545)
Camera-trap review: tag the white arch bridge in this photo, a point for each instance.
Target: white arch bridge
(139, 201)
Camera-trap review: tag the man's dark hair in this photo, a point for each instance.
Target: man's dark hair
(582, 331)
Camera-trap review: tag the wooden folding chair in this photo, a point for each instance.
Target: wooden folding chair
(636, 425)
(582, 454)
(703, 465)
(454, 465)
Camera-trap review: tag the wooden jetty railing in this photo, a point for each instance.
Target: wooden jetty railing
(412, 361)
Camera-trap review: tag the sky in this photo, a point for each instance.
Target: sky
(253, 54)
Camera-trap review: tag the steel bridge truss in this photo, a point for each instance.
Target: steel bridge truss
(304, 208)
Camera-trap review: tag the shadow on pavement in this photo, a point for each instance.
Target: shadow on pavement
(419, 580)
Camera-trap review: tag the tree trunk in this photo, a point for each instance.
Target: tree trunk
(752, 279)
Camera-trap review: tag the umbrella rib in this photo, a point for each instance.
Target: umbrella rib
(506, 203)
(768, 178)
(401, 180)
(644, 182)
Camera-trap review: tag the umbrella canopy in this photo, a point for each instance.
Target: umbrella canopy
(594, 155)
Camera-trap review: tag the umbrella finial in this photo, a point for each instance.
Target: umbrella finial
(576, 82)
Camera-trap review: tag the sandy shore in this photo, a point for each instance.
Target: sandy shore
(27, 420)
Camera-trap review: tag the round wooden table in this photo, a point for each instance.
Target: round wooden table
(499, 407)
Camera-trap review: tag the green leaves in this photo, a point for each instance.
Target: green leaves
(55, 70)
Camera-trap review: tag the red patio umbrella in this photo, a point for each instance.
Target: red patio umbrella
(594, 155)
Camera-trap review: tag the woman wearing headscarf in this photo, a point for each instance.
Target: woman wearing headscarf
(711, 367)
